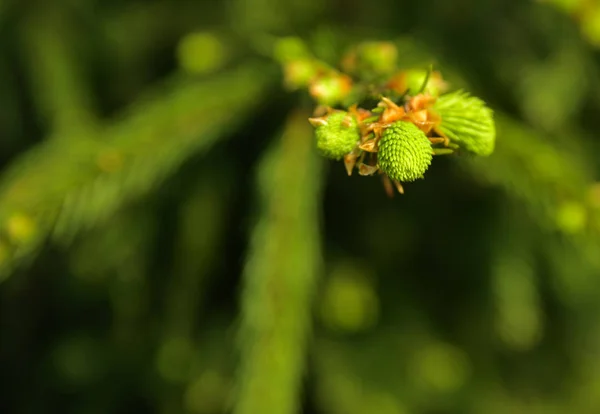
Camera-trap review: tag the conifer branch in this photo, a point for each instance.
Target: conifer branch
(279, 277)
(546, 179)
(70, 183)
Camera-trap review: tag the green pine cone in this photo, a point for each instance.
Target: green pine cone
(338, 136)
(467, 121)
(404, 152)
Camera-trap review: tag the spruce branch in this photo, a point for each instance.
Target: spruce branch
(280, 273)
(70, 183)
(554, 184)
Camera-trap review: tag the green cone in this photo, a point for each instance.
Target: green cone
(404, 152)
(338, 136)
(467, 121)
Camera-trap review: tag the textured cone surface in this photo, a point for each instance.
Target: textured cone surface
(404, 152)
(467, 121)
(339, 136)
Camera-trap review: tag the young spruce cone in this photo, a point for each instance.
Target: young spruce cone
(338, 135)
(405, 153)
(467, 121)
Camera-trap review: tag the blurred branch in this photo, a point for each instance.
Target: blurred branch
(280, 273)
(519, 318)
(531, 167)
(124, 242)
(70, 183)
(56, 74)
(135, 34)
(555, 184)
(206, 209)
(273, 15)
(202, 230)
(139, 28)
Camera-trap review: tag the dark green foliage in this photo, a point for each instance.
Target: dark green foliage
(172, 242)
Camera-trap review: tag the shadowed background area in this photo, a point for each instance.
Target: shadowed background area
(170, 242)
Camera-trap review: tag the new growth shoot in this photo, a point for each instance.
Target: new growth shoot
(384, 121)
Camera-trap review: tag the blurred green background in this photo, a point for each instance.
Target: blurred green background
(171, 243)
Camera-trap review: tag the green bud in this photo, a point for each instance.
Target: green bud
(21, 228)
(288, 49)
(201, 53)
(404, 152)
(337, 134)
(349, 303)
(299, 73)
(467, 121)
(377, 57)
(571, 217)
(330, 89)
(415, 78)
